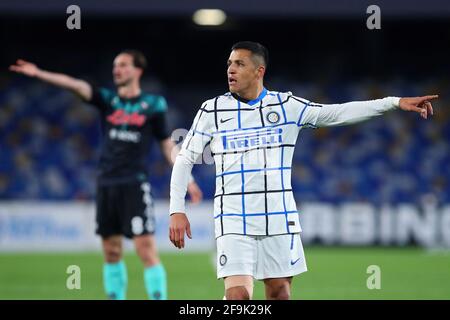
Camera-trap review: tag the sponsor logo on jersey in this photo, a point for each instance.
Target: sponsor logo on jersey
(122, 135)
(120, 117)
(225, 120)
(252, 138)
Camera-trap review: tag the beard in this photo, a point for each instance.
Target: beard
(122, 83)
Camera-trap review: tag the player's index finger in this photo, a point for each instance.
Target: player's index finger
(431, 97)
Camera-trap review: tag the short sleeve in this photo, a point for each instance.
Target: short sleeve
(160, 104)
(101, 98)
(160, 129)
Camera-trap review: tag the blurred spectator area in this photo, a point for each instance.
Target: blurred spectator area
(50, 141)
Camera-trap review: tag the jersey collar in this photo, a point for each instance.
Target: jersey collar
(254, 101)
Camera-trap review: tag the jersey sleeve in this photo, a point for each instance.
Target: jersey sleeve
(160, 129)
(101, 98)
(193, 145)
(161, 104)
(200, 133)
(325, 115)
(156, 111)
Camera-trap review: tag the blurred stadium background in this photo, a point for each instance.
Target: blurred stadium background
(375, 193)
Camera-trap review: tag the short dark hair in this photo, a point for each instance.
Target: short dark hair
(256, 48)
(139, 60)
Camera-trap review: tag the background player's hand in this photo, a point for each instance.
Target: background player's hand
(421, 105)
(24, 67)
(179, 224)
(194, 192)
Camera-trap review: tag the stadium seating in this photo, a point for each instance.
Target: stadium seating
(50, 145)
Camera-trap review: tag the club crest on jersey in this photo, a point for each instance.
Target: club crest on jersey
(273, 117)
(252, 138)
(223, 260)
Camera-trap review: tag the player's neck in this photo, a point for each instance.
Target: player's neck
(130, 91)
(251, 93)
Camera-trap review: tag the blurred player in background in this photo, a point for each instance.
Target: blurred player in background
(130, 118)
(252, 134)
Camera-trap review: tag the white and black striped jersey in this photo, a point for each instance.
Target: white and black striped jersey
(253, 144)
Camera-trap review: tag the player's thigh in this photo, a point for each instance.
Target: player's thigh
(107, 214)
(280, 256)
(137, 216)
(236, 255)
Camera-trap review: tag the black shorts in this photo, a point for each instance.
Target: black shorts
(125, 209)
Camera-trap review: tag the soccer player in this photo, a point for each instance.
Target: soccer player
(124, 201)
(252, 134)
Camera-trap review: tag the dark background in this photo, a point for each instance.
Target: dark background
(320, 50)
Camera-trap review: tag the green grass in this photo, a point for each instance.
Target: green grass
(334, 273)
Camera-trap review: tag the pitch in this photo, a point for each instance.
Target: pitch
(334, 273)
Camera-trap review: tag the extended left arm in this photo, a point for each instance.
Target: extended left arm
(357, 111)
(170, 151)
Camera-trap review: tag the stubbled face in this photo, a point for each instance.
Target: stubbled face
(243, 73)
(124, 71)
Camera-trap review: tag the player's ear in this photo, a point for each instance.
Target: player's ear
(261, 71)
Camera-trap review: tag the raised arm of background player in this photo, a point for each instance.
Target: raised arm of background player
(85, 91)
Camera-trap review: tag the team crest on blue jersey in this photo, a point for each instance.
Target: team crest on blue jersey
(273, 117)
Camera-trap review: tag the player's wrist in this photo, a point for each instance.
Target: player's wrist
(178, 207)
(37, 73)
(178, 212)
(395, 101)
